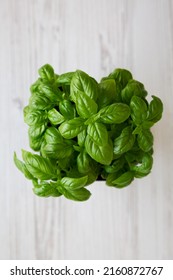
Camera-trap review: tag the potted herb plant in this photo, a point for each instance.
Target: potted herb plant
(83, 130)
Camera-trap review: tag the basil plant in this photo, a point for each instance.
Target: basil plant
(85, 131)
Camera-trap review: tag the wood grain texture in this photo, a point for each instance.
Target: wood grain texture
(95, 36)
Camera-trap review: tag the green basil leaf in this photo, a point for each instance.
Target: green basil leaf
(67, 109)
(124, 142)
(71, 128)
(135, 155)
(22, 167)
(45, 189)
(53, 136)
(35, 143)
(74, 183)
(57, 151)
(98, 133)
(155, 109)
(83, 162)
(40, 102)
(138, 110)
(82, 82)
(65, 79)
(34, 87)
(144, 166)
(55, 117)
(145, 140)
(26, 111)
(107, 93)
(145, 125)
(101, 154)
(46, 72)
(76, 195)
(81, 137)
(85, 105)
(92, 176)
(124, 180)
(115, 166)
(53, 95)
(41, 168)
(92, 119)
(33, 117)
(67, 164)
(73, 171)
(122, 76)
(133, 88)
(92, 173)
(36, 131)
(115, 113)
(138, 129)
(113, 176)
(116, 129)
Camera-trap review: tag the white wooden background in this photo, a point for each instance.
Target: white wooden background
(95, 36)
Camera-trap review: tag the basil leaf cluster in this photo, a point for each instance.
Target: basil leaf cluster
(83, 130)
